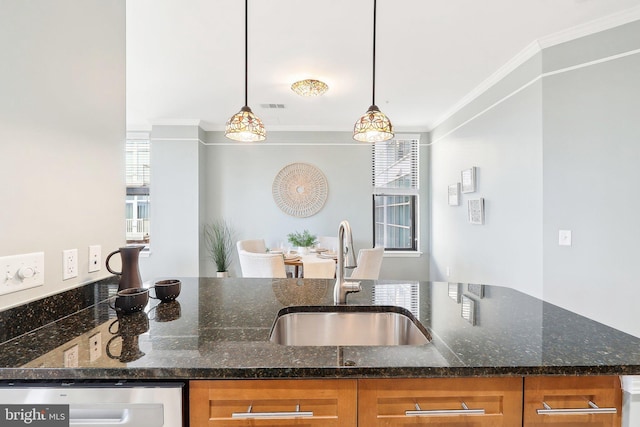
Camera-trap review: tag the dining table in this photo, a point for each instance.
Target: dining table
(315, 264)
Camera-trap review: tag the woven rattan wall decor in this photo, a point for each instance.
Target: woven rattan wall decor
(300, 190)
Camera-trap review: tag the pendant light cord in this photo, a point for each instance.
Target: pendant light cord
(246, 48)
(373, 92)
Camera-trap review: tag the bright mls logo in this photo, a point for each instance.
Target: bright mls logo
(34, 415)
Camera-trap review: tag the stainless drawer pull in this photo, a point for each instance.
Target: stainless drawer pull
(440, 412)
(271, 415)
(593, 409)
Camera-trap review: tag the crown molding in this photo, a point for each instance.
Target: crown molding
(573, 33)
(592, 27)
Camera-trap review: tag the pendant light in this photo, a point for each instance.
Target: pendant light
(244, 125)
(373, 126)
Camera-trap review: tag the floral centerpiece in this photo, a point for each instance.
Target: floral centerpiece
(302, 240)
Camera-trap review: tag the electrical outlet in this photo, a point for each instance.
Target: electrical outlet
(69, 264)
(71, 357)
(95, 258)
(95, 347)
(564, 237)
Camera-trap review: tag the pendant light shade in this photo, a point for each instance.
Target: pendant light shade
(374, 125)
(244, 125)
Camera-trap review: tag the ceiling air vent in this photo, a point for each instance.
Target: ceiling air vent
(277, 106)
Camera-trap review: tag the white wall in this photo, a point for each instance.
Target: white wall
(62, 132)
(563, 141)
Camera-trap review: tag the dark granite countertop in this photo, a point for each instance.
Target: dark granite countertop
(219, 328)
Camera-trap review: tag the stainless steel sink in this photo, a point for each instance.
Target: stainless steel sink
(347, 326)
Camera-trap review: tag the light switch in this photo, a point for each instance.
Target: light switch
(564, 238)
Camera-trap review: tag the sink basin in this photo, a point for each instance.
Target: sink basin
(347, 326)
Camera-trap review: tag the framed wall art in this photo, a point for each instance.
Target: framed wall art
(468, 177)
(454, 194)
(476, 211)
(300, 190)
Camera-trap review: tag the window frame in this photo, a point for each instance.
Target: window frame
(413, 201)
(138, 166)
(411, 191)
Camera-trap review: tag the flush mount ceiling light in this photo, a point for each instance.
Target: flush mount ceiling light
(244, 125)
(309, 87)
(373, 126)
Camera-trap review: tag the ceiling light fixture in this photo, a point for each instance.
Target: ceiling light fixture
(309, 87)
(373, 126)
(244, 125)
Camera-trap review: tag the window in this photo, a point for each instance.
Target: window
(138, 200)
(395, 194)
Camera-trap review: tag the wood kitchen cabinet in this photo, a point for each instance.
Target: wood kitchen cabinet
(273, 403)
(440, 401)
(468, 402)
(572, 401)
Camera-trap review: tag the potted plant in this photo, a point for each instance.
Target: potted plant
(302, 240)
(218, 239)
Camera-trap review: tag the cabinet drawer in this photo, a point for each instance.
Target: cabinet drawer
(440, 402)
(567, 401)
(271, 403)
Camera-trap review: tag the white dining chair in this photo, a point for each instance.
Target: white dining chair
(318, 268)
(369, 264)
(261, 264)
(328, 242)
(256, 245)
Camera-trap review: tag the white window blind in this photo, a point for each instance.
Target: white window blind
(395, 165)
(137, 162)
(406, 295)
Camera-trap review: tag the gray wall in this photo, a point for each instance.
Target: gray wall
(240, 178)
(225, 179)
(591, 150)
(556, 146)
(175, 203)
(62, 132)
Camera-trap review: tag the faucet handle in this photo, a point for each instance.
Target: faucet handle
(352, 286)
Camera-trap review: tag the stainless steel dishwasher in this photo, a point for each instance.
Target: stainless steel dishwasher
(92, 404)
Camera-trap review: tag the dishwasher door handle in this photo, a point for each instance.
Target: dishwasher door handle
(121, 415)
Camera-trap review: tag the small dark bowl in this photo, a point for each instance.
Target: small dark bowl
(131, 324)
(166, 311)
(131, 300)
(167, 290)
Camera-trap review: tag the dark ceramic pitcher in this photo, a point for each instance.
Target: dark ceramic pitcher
(130, 274)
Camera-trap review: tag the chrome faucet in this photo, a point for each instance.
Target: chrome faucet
(342, 286)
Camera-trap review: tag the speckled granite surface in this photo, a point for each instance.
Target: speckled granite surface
(219, 328)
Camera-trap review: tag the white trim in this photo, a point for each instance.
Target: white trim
(631, 383)
(178, 139)
(137, 135)
(594, 62)
(592, 27)
(534, 80)
(493, 79)
(564, 36)
(177, 122)
(402, 254)
(273, 144)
